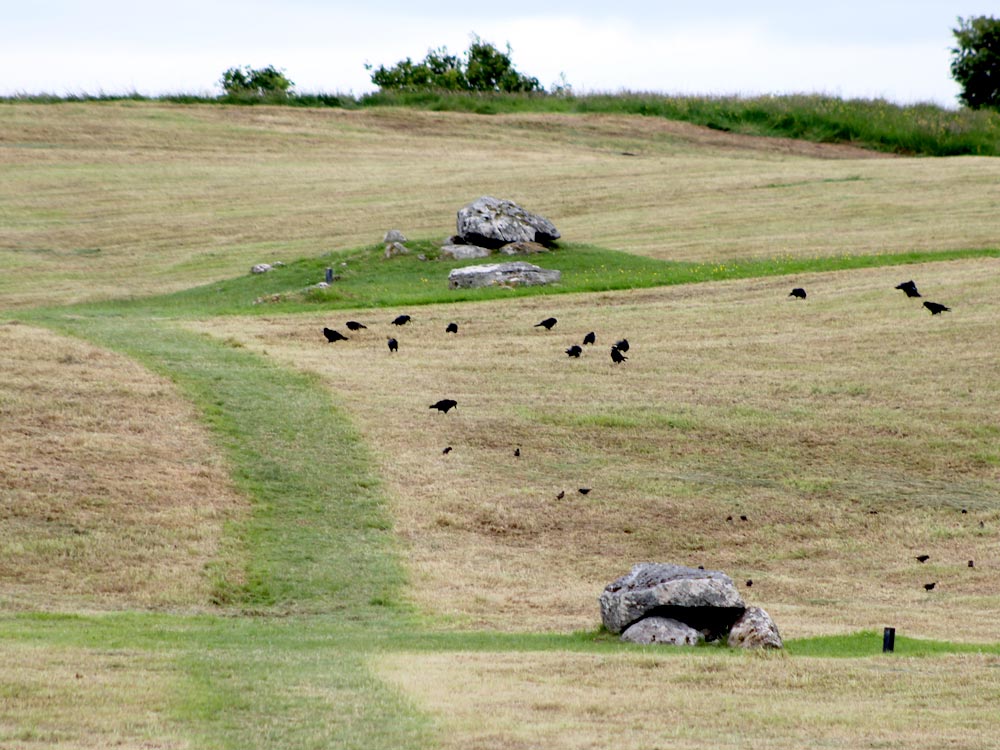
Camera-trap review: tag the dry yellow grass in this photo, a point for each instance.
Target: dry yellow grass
(565, 701)
(120, 199)
(111, 494)
(83, 698)
(803, 415)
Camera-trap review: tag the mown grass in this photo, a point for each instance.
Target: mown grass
(916, 129)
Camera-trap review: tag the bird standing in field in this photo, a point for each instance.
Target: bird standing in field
(798, 292)
(446, 451)
(936, 308)
(909, 288)
(583, 490)
(622, 345)
(930, 586)
(332, 335)
(444, 405)
(616, 356)
(353, 325)
(452, 328)
(517, 453)
(401, 320)
(393, 345)
(590, 338)
(561, 495)
(547, 324)
(922, 558)
(574, 351)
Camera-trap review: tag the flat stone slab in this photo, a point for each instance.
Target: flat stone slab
(663, 630)
(515, 273)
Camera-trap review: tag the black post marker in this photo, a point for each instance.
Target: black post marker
(888, 640)
(329, 276)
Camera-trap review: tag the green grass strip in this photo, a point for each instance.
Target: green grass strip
(318, 538)
(370, 281)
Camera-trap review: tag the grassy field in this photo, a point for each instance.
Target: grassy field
(221, 531)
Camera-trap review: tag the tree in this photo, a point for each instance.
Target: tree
(256, 82)
(976, 61)
(484, 68)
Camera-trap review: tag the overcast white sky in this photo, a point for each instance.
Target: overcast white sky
(896, 49)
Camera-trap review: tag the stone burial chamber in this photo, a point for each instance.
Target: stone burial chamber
(673, 604)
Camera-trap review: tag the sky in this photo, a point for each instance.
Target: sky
(894, 49)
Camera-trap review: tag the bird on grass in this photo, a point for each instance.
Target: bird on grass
(749, 582)
(353, 325)
(547, 324)
(971, 564)
(616, 355)
(401, 320)
(574, 351)
(622, 345)
(444, 405)
(452, 328)
(909, 288)
(517, 452)
(446, 451)
(561, 495)
(798, 292)
(583, 490)
(743, 518)
(332, 335)
(936, 308)
(922, 558)
(930, 586)
(590, 338)
(393, 345)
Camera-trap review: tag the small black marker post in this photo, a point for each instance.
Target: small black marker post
(329, 276)
(888, 640)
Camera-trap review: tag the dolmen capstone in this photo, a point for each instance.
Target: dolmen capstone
(674, 604)
(492, 223)
(514, 273)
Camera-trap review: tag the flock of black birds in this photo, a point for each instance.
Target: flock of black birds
(907, 287)
(618, 350)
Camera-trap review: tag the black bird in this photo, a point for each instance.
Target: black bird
(401, 320)
(965, 510)
(971, 564)
(743, 518)
(935, 308)
(517, 452)
(909, 287)
(749, 583)
(393, 345)
(590, 338)
(930, 586)
(729, 518)
(616, 356)
(452, 328)
(444, 405)
(447, 450)
(547, 324)
(353, 325)
(798, 292)
(622, 345)
(584, 490)
(574, 351)
(332, 335)
(922, 558)
(561, 495)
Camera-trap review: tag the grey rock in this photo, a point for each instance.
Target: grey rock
(706, 600)
(261, 268)
(492, 223)
(394, 235)
(514, 273)
(393, 249)
(755, 629)
(464, 252)
(662, 630)
(523, 248)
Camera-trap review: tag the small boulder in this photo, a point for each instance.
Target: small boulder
(493, 223)
(393, 249)
(755, 629)
(464, 252)
(261, 268)
(707, 600)
(394, 235)
(662, 630)
(515, 273)
(523, 248)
